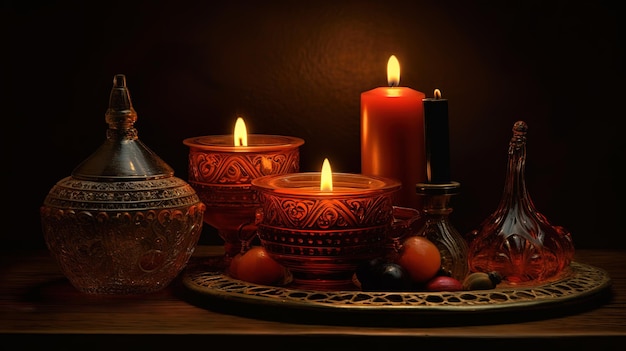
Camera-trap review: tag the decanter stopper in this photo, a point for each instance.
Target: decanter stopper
(516, 240)
(122, 155)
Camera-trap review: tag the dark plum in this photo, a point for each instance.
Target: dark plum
(381, 275)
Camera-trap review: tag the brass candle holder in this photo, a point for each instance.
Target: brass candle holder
(438, 228)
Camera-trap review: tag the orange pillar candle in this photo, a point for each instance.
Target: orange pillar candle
(392, 135)
(437, 139)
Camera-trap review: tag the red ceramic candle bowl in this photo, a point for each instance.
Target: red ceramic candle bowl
(322, 235)
(221, 174)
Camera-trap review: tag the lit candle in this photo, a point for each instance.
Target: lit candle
(221, 168)
(240, 134)
(326, 180)
(392, 135)
(437, 139)
(321, 225)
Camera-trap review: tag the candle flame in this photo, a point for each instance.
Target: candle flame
(437, 94)
(240, 134)
(326, 180)
(393, 71)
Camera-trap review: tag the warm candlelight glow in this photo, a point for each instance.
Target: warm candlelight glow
(437, 94)
(240, 134)
(393, 71)
(326, 180)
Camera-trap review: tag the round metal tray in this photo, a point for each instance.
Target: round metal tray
(578, 285)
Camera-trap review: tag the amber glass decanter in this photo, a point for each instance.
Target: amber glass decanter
(122, 223)
(516, 240)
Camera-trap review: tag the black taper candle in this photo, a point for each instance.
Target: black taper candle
(436, 139)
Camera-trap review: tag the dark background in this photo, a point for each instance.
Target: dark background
(298, 69)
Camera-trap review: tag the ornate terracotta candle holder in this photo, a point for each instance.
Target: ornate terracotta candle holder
(322, 235)
(221, 174)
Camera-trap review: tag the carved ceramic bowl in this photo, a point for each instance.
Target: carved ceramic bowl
(322, 236)
(221, 174)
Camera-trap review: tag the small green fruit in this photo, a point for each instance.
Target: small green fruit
(481, 281)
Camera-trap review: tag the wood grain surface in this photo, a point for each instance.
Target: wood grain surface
(40, 308)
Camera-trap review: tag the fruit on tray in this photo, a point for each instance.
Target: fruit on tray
(256, 266)
(481, 281)
(444, 283)
(380, 274)
(420, 257)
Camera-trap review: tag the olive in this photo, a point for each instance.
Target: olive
(381, 275)
(481, 281)
(365, 271)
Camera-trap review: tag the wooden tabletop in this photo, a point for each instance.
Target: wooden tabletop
(38, 307)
